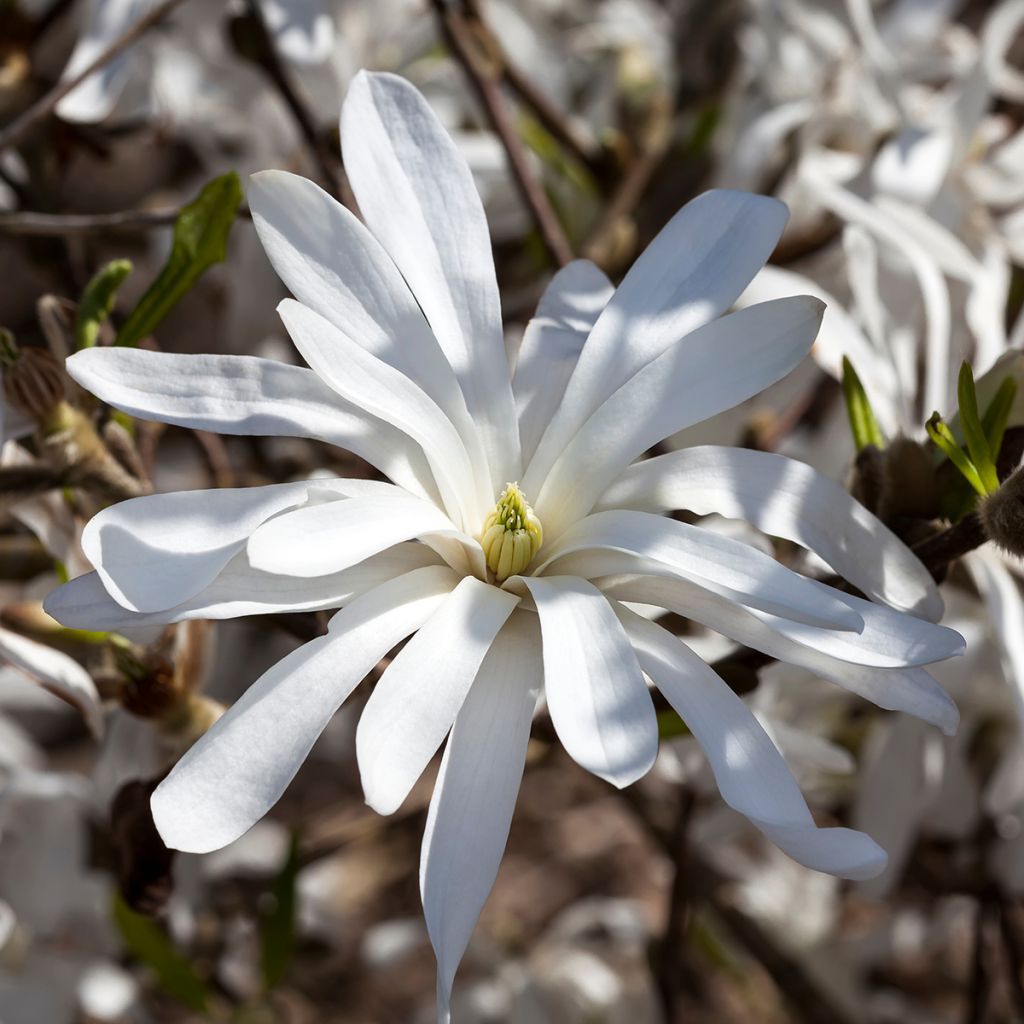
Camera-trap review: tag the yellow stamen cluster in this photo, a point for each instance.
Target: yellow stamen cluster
(512, 534)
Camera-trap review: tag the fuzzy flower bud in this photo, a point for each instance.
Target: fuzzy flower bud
(1002, 515)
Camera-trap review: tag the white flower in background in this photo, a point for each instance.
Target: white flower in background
(303, 33)
(401, 326)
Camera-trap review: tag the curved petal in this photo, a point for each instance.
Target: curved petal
(57, 673)
(597, 697)
(238, 590)
(750, 772)
(552, 343)
(418, 697)
(302, 29)
(716, 367)
(783, 498)
(331, 263)
(690, 274)
(720, 564)
(475, 794)
(417, 196)
(97, 95)
(911, 690)
(247, 395)
(320, 539)
(238, 770)
(384, 392)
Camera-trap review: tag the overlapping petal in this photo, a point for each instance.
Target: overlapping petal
(475, 793)
(598, 701)
(783, 498)
(418, 697)
(238, 770)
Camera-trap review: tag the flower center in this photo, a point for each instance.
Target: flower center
(511, 534)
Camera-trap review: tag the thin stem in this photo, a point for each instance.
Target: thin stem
(462, 35)
(977, 995)
(61, 225)
(1013, 941)
(21, 126)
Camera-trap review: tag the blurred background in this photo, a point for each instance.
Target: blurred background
(893, 130)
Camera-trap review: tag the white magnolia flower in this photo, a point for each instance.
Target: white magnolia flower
(303, 33)
(534, 519)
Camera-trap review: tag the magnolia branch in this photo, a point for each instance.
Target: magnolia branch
(463, 38)
(21, 126)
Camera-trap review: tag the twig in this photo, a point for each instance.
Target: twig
(938, 552)
(1013, 941)
(462, 34)
(328, 165)
(978, 992)
(678, 917)
(56, 225)
(21, 126)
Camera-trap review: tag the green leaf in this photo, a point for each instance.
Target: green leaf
(278, 933)
(149, 944)
(97, 301)
(863, 425)
(997, 414)
(944, 440)
(974, 433)
(200, 240)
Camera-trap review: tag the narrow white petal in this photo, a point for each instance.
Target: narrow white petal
(610, 542)
(783, 498)
(386, 393)
(690, 274)
(597, 697)
(96, 97)
(552, 343)
(238, 590)
(417, 197)
(331, 263)
(716, 367)
(247, 395)
(750, 772)
(320, 539)
(911, 690)
(240, 768)
(418, 697)
(302, 29)
(475, 793)
(56, 672)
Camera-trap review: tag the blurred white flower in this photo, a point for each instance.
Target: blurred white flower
(504, 597)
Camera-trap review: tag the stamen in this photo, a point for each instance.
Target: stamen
(511, 534)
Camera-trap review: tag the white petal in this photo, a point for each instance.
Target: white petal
(840, 335)
(552, 343)
(597, 697)
(475, 793)
(690, 274)
(911, 690)
(417, 196)
(750, 772)
(320, 539)
(238, 590)
(247, 395)
(783, 498)
(240, 768)
(156, 551)
(416, 701)
(713, 369)
(331, 263)
(612, 541)
(56, 672)
(382, 391)
(96, 97)
(302, 29)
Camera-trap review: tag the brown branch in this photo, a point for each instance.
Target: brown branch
(938, 552)
(463, 34)
(58, 225)
(21, 126)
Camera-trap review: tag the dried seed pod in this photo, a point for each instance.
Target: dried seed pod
(34, 382)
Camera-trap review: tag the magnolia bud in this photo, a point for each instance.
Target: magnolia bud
(1002, 515)
(33, 379)
(909, 490)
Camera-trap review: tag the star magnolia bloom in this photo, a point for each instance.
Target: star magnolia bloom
(401, 326)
